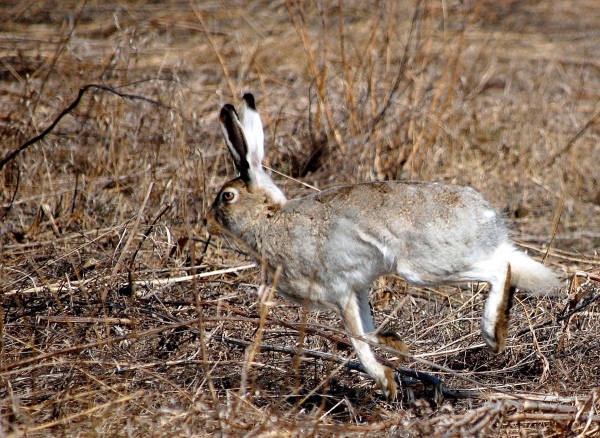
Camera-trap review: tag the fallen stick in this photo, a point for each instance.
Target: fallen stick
(550, 416)
(84, 320)
(350, 364)
(156, 282)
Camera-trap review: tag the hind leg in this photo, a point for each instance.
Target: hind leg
(355, 321)
(494, 324)
(496, 313)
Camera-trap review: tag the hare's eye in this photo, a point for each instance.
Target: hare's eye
(229, 196)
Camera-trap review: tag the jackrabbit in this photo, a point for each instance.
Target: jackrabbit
(332, 245)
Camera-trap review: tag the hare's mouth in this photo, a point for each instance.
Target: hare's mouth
(213, 227)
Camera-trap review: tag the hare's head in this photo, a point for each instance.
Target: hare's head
(244, 201)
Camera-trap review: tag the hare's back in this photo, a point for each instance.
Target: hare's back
(428, 229)
(405, 203)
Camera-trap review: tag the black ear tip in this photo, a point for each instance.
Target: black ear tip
(249, 98)
(226, 112)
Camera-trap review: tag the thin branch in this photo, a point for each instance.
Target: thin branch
(11, 155)
(578, 309)
(549, 416)
(212, 43)
(84, 320)
(157, 282)
(389, 98)
(166, 208)
(100, 343)
(319, 78)
(14, 195)
(121, 259)
(86, 413)
(571, 142)
(349, 364)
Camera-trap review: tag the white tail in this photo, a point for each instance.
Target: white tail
(526, 273)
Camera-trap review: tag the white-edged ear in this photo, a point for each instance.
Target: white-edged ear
(253, 128)
(255, 140)
(244, 137)
(233, 132)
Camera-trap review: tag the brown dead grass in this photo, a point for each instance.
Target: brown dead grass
(490, 95)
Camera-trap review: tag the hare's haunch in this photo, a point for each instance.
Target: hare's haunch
(332, 245)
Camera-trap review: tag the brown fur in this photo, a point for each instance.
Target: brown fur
(392, 339)
(501, 329)
(392, 387)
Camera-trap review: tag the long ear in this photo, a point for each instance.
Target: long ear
(253, 128)
(235, 139)
(245, 139)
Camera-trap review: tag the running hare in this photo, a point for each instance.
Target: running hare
(332, 245)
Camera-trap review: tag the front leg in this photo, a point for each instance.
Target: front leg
(389, 338)
(353, 317)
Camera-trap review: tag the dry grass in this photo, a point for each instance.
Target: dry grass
(502, 96)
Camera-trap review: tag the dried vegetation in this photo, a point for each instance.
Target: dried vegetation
(118, 319)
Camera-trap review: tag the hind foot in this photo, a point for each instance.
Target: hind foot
(496, 316)
(392, 339)
(390, 390)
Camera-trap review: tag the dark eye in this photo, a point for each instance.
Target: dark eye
(228, 196)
